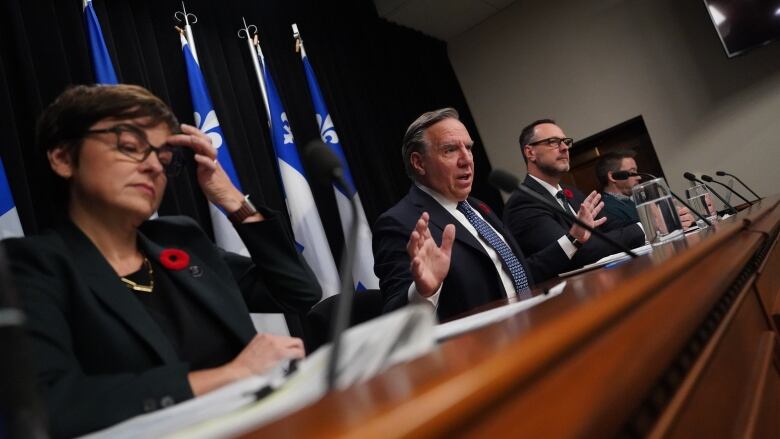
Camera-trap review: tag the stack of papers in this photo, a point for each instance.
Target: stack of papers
(476, 321)
(611, 259)
(366, 350)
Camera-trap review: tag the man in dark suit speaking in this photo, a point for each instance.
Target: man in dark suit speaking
(439, 245)
(545, 149)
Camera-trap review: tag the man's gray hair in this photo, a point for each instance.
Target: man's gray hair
(414, 139)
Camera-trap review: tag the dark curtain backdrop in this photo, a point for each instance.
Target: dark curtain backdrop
(376, 78)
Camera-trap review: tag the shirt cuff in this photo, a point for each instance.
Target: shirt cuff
(567, 246)
(415, 297)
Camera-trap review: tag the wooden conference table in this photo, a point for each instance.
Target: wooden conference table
(682, 342)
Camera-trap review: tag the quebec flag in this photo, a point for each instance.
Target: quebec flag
(10, 226)
(224, 232)
(307, 226)
(101, 60)
(206, 120)
(363, 276)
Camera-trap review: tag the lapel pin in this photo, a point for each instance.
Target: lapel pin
(196, 271)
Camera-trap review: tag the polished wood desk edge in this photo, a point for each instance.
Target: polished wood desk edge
(599, 385)
(519, 361)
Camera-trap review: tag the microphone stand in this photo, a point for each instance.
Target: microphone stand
(344, 309)
(722, 173)
(729, 208)
(709, 179)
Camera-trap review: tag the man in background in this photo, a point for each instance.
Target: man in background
(545, 148)
(619, 208)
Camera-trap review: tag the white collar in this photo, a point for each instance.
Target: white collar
(553, 190)
(441, 199)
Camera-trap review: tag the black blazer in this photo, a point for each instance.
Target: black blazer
(538, 229)
(101, 357)
(472, 279)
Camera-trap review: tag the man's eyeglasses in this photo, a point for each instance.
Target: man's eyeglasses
(131, 141)
(554, 142)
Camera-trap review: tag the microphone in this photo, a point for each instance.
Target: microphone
(709, 179)
(623, 175)
(723, 174)
(729, 207)
(327, 163)
(508, 183)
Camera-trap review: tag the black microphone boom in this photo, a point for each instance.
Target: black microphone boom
(709, 179)
(508, 183)
(623, 175)
(729, 208)
(327, 163)
(723, 174)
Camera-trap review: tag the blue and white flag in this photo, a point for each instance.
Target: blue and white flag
(101, 60)
(363, 276)
(206, 120)
(10, 226)
(224, 232)
(307, 226)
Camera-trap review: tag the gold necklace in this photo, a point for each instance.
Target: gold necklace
(138, 287)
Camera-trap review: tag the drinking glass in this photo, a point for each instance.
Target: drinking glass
(657, 212)
(700, 198)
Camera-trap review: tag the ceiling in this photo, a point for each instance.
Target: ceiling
(443, 19)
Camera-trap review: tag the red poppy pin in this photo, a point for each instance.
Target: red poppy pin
(174, 259)
(568, 194)
(484, 208)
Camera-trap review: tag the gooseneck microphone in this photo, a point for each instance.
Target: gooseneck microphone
(709, 179)
(729, 208)
(328, 164)
(723, 174)
(623, 175)
(508, 183)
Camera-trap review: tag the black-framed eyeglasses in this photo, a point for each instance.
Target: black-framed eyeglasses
(132, 142)
(554, 142)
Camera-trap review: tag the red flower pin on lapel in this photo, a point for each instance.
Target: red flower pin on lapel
(484, 208)
(174, 259)
(568, 194)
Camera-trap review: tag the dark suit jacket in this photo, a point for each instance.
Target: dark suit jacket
(101, 357)
(472, 279)
(538, 229)
(619, 212)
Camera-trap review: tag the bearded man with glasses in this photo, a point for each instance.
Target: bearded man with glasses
(128, 315)
(545, 149)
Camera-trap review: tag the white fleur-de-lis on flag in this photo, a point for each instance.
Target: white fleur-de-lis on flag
(327, 130)
(288, 137)
(209, 124)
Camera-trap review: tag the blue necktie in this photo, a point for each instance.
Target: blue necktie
(509, 260)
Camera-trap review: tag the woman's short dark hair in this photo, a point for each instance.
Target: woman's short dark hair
(64, 122)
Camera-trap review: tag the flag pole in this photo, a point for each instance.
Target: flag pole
(184, 16)
(249, 32)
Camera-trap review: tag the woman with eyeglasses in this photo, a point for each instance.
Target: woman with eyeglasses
(127, 315)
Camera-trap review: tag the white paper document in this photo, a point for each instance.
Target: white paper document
(476, 321)
(366, 350)
(613, 258)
